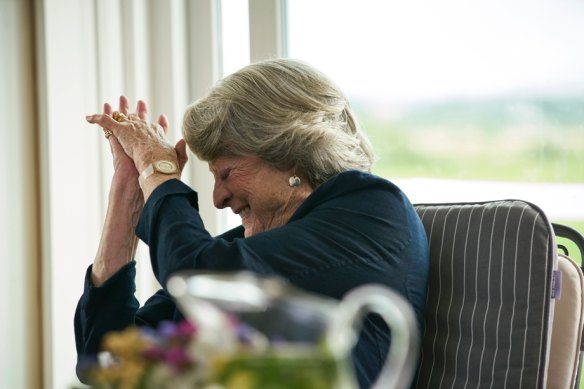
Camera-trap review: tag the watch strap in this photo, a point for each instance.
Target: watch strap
(145, 174)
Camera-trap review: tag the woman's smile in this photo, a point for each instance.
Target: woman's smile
(259, 193)
(245, 214)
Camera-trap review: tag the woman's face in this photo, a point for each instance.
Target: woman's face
(257, 192)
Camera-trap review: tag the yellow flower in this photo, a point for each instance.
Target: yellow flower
(241, 380)
(125, 344)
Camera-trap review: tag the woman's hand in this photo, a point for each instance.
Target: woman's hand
(118, 241)
(141, 141)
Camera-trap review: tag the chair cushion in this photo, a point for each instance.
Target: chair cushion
(567, 326)
(488, 307)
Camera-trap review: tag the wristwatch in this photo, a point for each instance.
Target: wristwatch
(162, 166)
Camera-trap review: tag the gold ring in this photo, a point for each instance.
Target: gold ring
(107, 133)
(118, 116)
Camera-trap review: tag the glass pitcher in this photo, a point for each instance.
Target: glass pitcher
(261, 332)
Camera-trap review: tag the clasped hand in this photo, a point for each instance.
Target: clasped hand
(135, 138)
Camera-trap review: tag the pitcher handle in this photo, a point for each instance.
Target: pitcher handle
(402, 358)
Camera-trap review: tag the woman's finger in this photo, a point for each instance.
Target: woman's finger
(142, 109)
(107, 109)
(104, 120)
(124, 105)
(163, 122)
(115, 146)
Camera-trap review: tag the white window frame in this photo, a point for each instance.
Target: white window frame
(92, 52)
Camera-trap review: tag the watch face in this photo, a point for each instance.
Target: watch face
(166, 167)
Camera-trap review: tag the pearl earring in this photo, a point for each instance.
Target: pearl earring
(294, 181)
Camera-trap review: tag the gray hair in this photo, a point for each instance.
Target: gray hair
(284, 112)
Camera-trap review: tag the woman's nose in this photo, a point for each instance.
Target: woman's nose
(221, 195)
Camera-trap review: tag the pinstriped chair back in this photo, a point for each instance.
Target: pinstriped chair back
(489, 305)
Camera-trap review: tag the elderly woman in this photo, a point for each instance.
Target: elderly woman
(288, 156)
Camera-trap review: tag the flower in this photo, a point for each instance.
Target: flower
(174, 356)
(136, 357)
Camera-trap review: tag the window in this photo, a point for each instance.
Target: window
(462, 101)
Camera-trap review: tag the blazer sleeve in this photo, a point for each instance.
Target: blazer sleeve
(110, 307)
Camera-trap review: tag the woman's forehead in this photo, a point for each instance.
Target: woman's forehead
(233, 162)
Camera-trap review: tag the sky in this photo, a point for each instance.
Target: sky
(415, 49)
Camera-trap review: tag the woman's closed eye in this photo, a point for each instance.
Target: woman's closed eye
(224, 174)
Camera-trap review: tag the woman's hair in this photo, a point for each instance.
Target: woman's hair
(284, 112)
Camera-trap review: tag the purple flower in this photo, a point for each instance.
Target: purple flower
(167, 329)
(244, 333)
(185, 329)
(153, 353)
(177, 358)
(177, 332)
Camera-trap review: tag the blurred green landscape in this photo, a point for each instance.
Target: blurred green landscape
(536, 140)
(507, 139)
